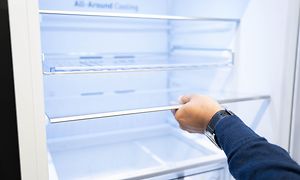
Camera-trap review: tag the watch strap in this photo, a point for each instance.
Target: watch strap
(216, 118)
(210, 130)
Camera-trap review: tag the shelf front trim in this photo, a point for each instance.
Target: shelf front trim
(148, 110)
(114, 113)
(131, 68)
(132, 15)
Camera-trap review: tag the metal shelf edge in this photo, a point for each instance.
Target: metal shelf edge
(148, 110)
(196, 67)
(132, 15)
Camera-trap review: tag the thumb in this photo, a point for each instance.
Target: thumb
(184, 99)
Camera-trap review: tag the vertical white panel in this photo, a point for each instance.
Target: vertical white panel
(267, 50)
(295, 133)
(24, 26)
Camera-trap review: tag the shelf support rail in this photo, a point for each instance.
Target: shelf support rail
(148, 110)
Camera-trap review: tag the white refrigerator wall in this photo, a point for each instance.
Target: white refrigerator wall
(266, 59)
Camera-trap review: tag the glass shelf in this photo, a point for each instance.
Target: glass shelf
(124, 22)
(187, 59)
(62, 110)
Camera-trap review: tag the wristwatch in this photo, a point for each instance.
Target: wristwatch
(210, 130)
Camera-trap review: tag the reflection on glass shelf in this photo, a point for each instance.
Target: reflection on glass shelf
(132, 15)
(138, 154)
(180, 59)
(87, 107)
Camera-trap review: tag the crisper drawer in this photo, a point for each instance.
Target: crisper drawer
(136, 153)
(212, 175)
(215, 172)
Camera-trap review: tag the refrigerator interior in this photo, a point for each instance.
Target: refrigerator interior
(113, 70)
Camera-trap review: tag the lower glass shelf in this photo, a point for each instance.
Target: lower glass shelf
(103, 106)
(137, 153)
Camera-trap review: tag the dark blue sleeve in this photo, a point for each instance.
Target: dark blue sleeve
(251, 156)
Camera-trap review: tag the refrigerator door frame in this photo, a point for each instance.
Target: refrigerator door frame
(27, 67)
(295, 124)
(289, 86)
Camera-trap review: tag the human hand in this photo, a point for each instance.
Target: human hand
(196, 112)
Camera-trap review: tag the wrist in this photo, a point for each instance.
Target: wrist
(216, 118)
(212, 114)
